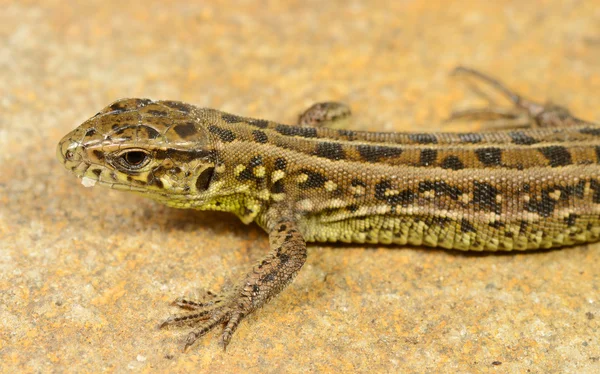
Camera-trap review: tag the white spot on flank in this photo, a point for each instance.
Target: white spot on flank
(277, 196)
(220, 168)
(330, 186)
(238, 169)
(336, 203)
(88, 182)
(259, 171)
(277, 175)
(264, 194)
(305, 204)
(358, 190)
(242, 188)
(555, 195)
(465, 198)
(301, 178)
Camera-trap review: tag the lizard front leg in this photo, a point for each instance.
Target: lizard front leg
(266, 279)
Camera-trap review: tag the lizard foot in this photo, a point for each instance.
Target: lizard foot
(524, 113)
(325, 114)
(206, 312)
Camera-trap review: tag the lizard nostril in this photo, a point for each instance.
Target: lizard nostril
(69, 155)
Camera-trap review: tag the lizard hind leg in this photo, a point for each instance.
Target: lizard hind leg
(523, 113)
(326, 114)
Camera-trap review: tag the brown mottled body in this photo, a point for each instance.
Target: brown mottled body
(503, 190)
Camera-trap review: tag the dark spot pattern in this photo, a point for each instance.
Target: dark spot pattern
(177, 105)
(315, 180)
(186, 130)
(278, 187)
(470, 137)
(547, 203)
(484, 197)
(497, 224)
(374, 153)
(158, 113)
(117, 107)
(519, 137)
(348, 134)
(305, 132)
(90, 132)
(352, 208)
(489, 156)
(231, 118)
(283, 258)
(225, 135)
(260, 136)
(571, 219)
(452, 163)
(439, 221)
(466, 226)
(203, 180)
(423, 138)
(248, 172)
(523, 227)
(332, 151)
(140, 103)
(260, 123)
(597, 148)
(280, 163)
(595, 131)
(403, 198)
(270, 277)
(98, 154)
(595, 185)
(440, 188)
(578, 189)
(97, 172)
(544, 206)
(428, 156)
(152, 133)
(557, 155)
(357, 183)
(153, 180)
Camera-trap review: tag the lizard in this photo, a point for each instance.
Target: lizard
(521, 187)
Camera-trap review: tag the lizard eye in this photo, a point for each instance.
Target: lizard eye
(133, 159)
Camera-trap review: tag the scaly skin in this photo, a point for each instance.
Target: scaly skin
(504, 190)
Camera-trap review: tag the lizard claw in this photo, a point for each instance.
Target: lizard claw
(204, 315)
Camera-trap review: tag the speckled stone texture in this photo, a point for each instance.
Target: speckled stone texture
(86, 275)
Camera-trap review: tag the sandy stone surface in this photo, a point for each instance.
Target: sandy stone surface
(86, 275)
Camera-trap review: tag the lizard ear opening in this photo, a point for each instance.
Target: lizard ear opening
(204, 179)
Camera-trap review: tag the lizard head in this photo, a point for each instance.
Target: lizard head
(156, 148)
